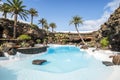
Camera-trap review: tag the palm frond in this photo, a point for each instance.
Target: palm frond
(9, 2)
(76, 20)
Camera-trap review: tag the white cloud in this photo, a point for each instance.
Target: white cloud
(113, 5)
(24, 21)
(92, 25)
(1, 4)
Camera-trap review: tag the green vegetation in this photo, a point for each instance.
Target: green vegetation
(76, 20)
(34, 26)
(38, 41)
(16, 7)
(43, 22)
(104, 42)
(52, 25)
(24, 44)
(46, 27)
(33, 13)
(5, 9)
(64, 41)
(2, 47)
(61, 38)
(45, 40)
(24, 37)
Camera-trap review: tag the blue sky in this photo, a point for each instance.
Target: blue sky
(93, 12)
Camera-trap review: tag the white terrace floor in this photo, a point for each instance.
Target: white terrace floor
(103, 55)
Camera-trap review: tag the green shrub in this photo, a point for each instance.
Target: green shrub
(38, 41)
(24, 44)
(24, 37)
(33, 26)
(104, 42)
(45, 40)
(64, 41)
(1, 48)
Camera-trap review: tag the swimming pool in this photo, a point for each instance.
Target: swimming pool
(64, 59)
(61, 61)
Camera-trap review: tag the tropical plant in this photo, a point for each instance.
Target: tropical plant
(38, 41)
(34, 26)
(104, 42)
(64, 41)
(33, 13)
(52, 25)
(16, 7)
(24, 44)
(24, 37)
(5, 9)
(45, 41)
(1, 48)
(43, 22)
(76, 20)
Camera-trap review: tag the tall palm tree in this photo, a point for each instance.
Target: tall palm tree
(33, 13)
(17, 9)
(52, 25)
(76, 20)
(5, 9)
(43, 22)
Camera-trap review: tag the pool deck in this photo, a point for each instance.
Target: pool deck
(103, 55)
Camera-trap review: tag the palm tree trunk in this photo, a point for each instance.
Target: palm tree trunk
(15, 24)
(52, 30)
(42, 25)
(5, 15)
(80, 35)
(31, 19)
(47, 30)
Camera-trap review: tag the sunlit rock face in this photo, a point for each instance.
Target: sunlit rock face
(111, 29)
(6, 29)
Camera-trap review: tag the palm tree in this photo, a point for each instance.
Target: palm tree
(43, 22)
(5, 9)
(18, 9)
(52, 25)
(33, 13)
(76, 20)
(46, 27)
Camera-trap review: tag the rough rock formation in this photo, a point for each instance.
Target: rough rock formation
(6, 34)
(32, 50)
(111, 29)
(6, 29)
(9, 48)
(38, 62)
(116, 60)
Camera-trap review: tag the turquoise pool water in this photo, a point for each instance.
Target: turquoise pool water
(60, 59)
(63, 59)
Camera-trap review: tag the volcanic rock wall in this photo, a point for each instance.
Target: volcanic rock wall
(6, 28)
(111, 29)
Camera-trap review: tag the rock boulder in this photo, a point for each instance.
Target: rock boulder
(116, 60)
(38, 62)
